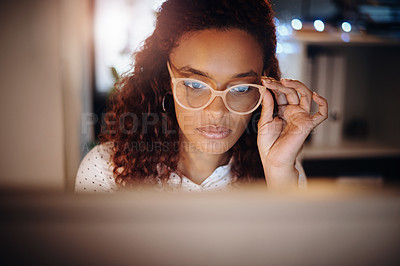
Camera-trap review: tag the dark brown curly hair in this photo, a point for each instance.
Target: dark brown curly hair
(145, 139)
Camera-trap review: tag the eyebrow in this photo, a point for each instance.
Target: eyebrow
(250, 73)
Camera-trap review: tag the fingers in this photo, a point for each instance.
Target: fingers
(280, 98)
(290, 92)
(322, 113)
(279, 89)
(303, 91)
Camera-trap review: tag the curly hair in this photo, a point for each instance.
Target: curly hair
(145, 139)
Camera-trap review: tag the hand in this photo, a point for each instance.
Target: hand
(280, 139)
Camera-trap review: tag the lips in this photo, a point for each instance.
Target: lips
(214, 132)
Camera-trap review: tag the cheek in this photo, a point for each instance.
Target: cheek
(186, 118)
(240, 123)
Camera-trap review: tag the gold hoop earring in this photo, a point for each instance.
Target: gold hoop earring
(163, 102)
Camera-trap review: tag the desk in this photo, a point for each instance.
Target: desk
(324, 226)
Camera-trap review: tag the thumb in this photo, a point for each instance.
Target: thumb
(267, 110)
(269, 128)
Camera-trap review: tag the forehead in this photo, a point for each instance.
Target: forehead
(219, 52)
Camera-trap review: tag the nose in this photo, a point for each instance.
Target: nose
(217, 107)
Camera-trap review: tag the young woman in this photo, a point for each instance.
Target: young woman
(204, 107)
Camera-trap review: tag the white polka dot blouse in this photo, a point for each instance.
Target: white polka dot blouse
(95, 175)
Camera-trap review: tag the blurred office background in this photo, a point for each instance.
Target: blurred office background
(60, 59)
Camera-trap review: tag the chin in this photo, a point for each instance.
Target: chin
(197, 142)
(213, 147)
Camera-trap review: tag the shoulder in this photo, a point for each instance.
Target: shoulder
(95, 171)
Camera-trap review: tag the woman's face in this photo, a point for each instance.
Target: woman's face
(221, 58)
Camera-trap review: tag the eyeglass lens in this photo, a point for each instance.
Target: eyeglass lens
(196, 94)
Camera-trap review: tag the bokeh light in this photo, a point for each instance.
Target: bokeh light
(297, 24)
(346, 26)
(319, 25)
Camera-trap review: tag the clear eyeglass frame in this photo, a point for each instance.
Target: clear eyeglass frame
(215, 93)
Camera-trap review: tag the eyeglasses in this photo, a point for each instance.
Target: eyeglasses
(195, 95)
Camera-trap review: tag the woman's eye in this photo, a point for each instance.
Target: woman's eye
(194, 85)
(240, 89)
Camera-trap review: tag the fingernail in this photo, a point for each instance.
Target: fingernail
(316, 94)
(267, 80)
(285, 79)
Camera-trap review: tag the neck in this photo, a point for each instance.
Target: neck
(197, 165)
